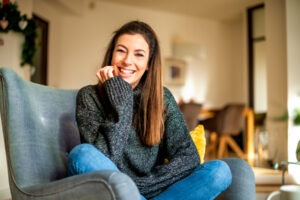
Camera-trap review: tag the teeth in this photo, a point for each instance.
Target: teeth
(126, 71)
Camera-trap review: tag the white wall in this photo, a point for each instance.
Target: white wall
(293, 60)
(276, 77)
(78, 40)
(283, 46)
(4, 186)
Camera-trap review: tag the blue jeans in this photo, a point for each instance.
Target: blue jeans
(207, 181)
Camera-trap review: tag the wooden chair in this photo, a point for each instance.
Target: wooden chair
(190, 113)
(222, 126)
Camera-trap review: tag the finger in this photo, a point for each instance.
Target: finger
(103, 74)
(99, 76)
(116, 70)
(110, 72)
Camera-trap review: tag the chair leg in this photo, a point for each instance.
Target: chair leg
(234, 146)
(212, 146)
(222, 147)
(226, 139)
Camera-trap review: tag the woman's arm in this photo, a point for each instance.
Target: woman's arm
(106, 125)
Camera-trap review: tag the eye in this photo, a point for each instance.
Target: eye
(140, 55)
(120, 50)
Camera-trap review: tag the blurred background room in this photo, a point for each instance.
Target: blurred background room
(232, 65)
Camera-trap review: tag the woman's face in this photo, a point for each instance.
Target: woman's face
(130, 57)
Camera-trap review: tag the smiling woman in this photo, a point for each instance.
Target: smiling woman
(133, 124)
(130, 59)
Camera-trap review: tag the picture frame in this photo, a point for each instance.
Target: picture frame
(174, 71)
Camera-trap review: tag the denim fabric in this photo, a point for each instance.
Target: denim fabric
(206, 182)
(85, 158)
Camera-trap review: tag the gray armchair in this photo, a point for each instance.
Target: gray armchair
(39, 131)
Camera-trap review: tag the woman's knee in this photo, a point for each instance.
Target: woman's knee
(86, 158)
(81, 148)
(79, 156)
(81, 152)
(222, 174)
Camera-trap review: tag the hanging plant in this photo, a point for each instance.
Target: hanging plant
(12, 20)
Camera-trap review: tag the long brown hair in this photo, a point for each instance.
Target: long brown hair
(149, 118)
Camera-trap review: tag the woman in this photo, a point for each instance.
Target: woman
(133, 125)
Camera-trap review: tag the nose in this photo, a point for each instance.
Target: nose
(128, 59)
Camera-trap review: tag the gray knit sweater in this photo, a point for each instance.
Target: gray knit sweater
(110, 128)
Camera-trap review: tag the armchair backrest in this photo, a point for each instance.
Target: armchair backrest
(39, 129)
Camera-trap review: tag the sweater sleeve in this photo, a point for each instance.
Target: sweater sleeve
(177, 146)
(108, 131)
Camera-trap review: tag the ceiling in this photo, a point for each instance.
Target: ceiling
(222, 10)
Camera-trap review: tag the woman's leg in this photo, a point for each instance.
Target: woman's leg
(86, 158)
(207, 181)
(243, 181)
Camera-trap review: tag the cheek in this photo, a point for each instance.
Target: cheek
(114, 59)
(143, 65)
(143, 68)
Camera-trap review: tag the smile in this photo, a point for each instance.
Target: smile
(126, 71)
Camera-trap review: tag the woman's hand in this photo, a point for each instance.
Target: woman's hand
(106, 72)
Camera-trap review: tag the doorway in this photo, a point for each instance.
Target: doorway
(257, 59)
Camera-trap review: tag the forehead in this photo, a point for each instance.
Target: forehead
(133, 41)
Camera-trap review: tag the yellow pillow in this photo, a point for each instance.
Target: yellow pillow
(198, 136)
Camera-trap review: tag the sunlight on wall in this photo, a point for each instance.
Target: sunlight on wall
(293, 138)
(4, 186)
(194, 55)
(195, 87)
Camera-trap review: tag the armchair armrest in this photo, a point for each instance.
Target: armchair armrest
(106, 185)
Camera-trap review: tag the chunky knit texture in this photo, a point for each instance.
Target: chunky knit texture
(110, 128)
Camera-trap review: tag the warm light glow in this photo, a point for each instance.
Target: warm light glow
(293, 138)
